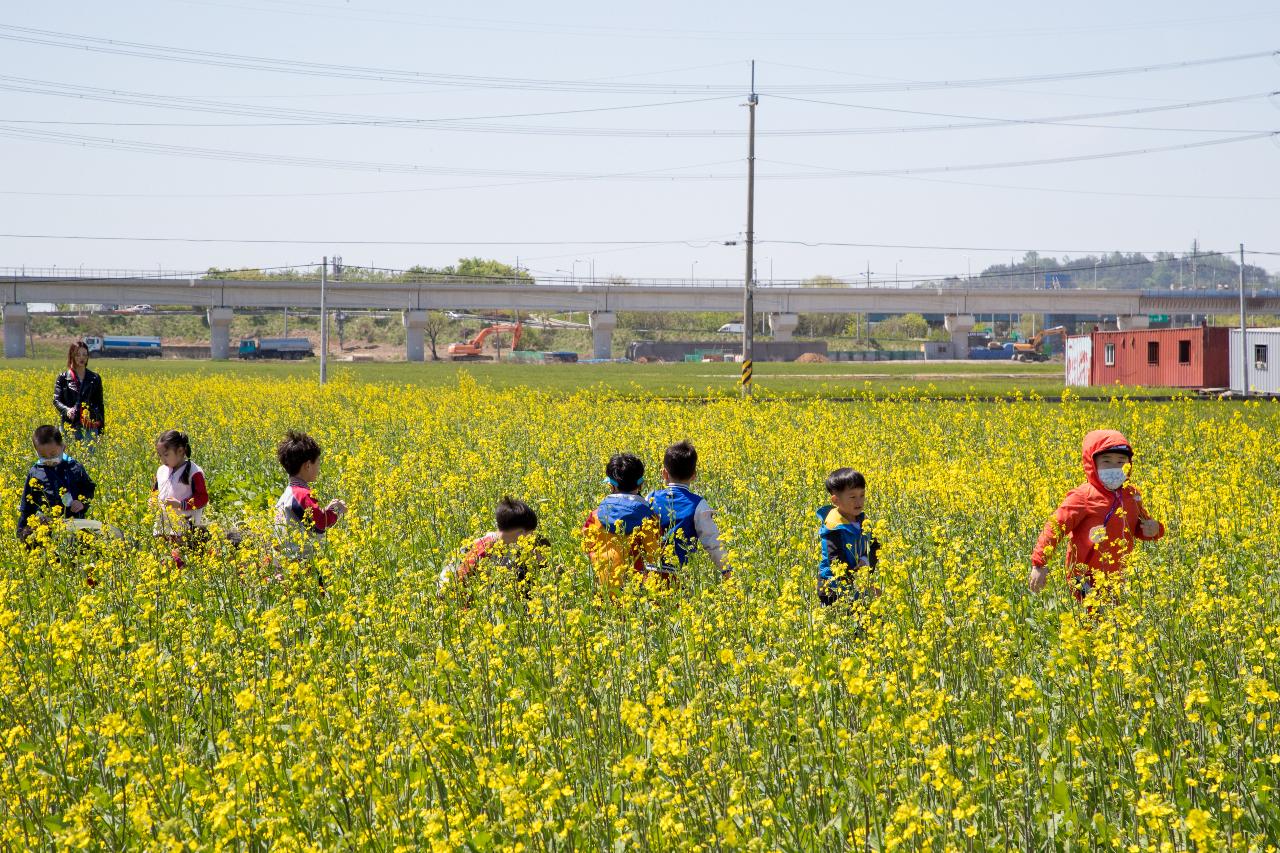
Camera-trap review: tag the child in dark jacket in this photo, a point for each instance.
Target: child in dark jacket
(56, 485)
(848, 548)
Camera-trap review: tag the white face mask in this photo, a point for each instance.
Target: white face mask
(1112, 478)
(50, 461)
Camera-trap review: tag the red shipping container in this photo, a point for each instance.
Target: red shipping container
(1194, 357)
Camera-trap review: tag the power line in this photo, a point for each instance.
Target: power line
(400, 17)
(690, 242)
(52, 38)
(1058, 121)
(307, 119)
(1108, 193)
(828, 171)
(694, 243)
(300, 117)
(137, 146)
(79, 140)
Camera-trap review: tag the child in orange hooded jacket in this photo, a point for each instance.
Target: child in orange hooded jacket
(1101, 518)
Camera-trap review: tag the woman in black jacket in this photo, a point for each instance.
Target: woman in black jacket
(77, 394)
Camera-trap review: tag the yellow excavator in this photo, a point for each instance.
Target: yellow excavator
(1031, 350)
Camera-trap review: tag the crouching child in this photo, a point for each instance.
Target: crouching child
(514, 547)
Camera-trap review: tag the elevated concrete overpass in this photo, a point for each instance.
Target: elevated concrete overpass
(601, 300)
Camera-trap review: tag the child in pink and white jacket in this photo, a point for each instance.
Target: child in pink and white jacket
(180, 491)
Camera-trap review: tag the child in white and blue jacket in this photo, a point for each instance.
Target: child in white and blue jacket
(687, 521)
(848, 548)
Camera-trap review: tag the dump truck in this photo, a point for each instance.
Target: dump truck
(290, 348)
(124, 346)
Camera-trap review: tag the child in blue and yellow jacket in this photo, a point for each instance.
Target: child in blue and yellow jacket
(622, 536)
(848, 547)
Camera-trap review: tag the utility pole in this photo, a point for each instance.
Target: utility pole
(748, 304)
(1244, 341)
(324, 322)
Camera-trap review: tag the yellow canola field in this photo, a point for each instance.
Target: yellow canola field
(216, 706)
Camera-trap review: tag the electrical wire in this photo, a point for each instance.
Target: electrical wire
(827, 171)
(288, 116)
(693, 244)
(1057, 121)
(311, 118)
(401, 17)
(52, 38)
(137, 146)
(1071, 191)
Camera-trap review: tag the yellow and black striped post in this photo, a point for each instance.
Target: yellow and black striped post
(746, 377)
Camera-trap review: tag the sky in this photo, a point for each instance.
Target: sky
(581, 139)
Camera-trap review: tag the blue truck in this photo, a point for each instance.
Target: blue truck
(289, 348)
(124, 346)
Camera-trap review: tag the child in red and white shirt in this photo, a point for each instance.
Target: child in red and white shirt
(300, 520)
(180, 491)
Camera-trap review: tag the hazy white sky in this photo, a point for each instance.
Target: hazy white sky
(74, 164)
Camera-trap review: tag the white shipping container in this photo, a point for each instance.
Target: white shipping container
(1079, 360)
(1263, 352)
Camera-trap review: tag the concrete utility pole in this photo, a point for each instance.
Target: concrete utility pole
(748, 305)
(324, 322)
(1244, 340)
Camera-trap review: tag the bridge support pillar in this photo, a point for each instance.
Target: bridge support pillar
(602, 325)
(220, 333)
(415, 322)
(15, 330)
(783, 325)
(1129, 322)
(959, 325)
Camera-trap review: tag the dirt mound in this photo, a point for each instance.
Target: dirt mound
(812, 358)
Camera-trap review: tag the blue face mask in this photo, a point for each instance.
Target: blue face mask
(50, 461)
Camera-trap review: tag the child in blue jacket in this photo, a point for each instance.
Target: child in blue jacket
(848, 548)
(57, 486)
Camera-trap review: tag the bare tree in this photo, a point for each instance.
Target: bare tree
(437, 322)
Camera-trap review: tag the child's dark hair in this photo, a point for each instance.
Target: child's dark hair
(845, 478)
(681, 461)
(513, 514)
(625, 472)
(178, 440)
(46, 434)
(296, 450)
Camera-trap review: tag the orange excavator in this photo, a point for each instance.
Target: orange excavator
(473, 350)
(1031, 350)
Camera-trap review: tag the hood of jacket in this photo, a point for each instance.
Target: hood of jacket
(831, 519)
(1096, 442)
(631, 510)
